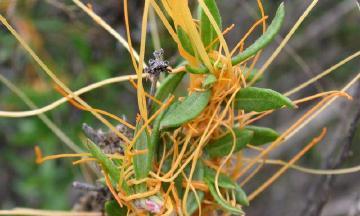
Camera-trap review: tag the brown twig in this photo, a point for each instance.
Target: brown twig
(319, 192)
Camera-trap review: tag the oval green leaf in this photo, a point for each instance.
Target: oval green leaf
(186, 110)
(224, 180)
(191, 203)
(241, 196)
(265, 39)
(258, 45)
(185, 40)
(225, 205)
(200, 70)
(260, 99)
(222, 146)
(209, 80)
(141, 162)
(262, 135)
(167, 87)
(207, 31)
(108, 166)
(154, 140)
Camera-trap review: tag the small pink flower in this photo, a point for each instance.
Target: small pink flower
(152, 206)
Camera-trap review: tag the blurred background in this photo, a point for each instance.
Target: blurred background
(81, 53)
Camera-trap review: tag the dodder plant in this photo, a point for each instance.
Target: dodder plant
(183, 156)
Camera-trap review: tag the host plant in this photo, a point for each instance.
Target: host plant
(184, 155)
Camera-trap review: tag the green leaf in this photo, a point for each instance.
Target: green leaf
(224, 180)
(185, 40)
(260, 99)
(191, 203)
(141, 161)
(265, 39)
(209, 80)
(201, 70)
(186, 110)
(262, 135)
(241, 196)
(258, 45)
(207, 31)
(222, 146)
(107, 164)
(112, 208)
(167, 87)
(178, 185)
(154, 140)
(225, 205)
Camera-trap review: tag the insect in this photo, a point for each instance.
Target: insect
(156, 66)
